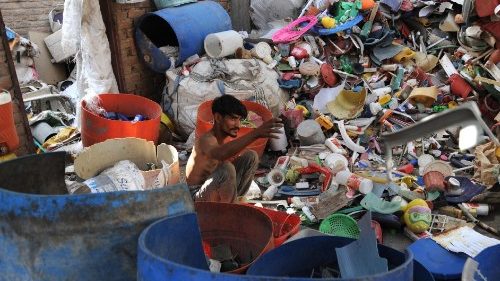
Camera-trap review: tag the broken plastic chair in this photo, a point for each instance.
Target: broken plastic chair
(48, 98)
(466, 115)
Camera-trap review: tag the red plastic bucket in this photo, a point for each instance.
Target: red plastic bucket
(284, 225)
(96, 129)
(204, 122)
(8, 134)
(247, 231)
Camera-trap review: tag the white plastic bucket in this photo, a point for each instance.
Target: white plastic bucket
(222, 44)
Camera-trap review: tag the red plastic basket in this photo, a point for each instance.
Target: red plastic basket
(284, 225)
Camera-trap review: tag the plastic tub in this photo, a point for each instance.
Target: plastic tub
(8, 133)
(204, 123)
(97, 129)
(184, 27)
(247, 231)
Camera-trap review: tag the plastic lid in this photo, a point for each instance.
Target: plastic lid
(5, 97)
(442, 263)
(424, 160)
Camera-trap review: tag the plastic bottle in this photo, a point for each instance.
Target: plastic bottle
(479, 209)
(270, 192)
(355, 182)
(309, 214)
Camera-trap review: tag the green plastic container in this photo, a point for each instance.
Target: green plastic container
(340, 225)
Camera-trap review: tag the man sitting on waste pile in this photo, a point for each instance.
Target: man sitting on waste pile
(210, 175)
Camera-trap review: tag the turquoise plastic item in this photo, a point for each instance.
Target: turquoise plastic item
(375, 204)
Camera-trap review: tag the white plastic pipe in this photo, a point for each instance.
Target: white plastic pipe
(223, 44)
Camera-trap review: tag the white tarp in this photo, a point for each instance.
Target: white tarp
(244, 79)
(264, 11)
(83, 32)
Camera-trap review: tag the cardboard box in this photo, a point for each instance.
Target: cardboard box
(54, 45)
(98, 157)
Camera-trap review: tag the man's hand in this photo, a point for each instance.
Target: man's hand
(270, 129)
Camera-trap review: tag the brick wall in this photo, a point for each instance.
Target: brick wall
(27, 15)
(132, 74)
(10, 83)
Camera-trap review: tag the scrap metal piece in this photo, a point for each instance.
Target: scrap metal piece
(466, 114)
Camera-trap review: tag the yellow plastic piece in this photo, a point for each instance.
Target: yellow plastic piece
(7, 157)
(305, 112)
(167, 122)
(384, 99)
(405, 55)
(328, 22)
(325, 122)
(452, 104)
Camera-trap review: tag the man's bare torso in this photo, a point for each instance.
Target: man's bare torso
(200, 165)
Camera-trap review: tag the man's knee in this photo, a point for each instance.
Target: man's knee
(250, 156)
(226, 171)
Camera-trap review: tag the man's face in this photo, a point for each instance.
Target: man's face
(230, 124)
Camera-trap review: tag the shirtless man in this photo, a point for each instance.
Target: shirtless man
(210, 176)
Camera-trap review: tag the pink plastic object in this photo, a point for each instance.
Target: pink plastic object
(293, 31)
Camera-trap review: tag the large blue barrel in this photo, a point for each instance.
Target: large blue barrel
(171, 249)
(46, 234)
(185, 27)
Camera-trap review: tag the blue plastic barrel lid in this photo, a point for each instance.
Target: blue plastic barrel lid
(442, 263)
(488, 263)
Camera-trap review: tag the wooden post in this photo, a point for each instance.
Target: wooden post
(17, 96)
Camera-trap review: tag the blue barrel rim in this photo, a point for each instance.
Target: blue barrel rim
(146, 256)
(408, 258)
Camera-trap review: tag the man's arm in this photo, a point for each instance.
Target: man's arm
(225, 151)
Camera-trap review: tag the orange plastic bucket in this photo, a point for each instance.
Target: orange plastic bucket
(247, 231)
(204, 123)
(9, 140)
(96, 129)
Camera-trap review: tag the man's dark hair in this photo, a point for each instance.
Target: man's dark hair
(229, 105)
